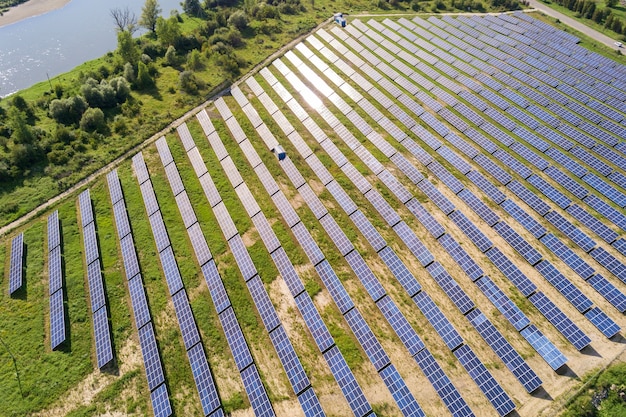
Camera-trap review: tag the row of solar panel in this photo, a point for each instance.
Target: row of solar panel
(159, 396)
(438, 235)
(55, 283)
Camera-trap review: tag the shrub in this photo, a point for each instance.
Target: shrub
(239, 19)
(92, 120)
(68, 111)
(144, 80)
(189, 83)
(129, 72)
(170, 56)
(194, 61)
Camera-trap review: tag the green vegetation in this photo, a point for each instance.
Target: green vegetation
(6, 4)
(604, 16)
(604, 395)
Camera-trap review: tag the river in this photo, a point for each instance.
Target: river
(56, 42)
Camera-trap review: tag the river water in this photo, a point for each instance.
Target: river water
(56, 42)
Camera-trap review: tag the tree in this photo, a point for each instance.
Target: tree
(68, 111)
(167, 30)
(149, 15)
(124, 19)
(144, 80)
(126, 46)
(238, 19)
(194, 61)
(193, 8)
(92, 120)
(610, 3)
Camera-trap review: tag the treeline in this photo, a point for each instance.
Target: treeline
(588, 9)
(6, 4)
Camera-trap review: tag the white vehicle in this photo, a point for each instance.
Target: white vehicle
(618, 44)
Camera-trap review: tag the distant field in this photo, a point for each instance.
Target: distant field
(477, 188)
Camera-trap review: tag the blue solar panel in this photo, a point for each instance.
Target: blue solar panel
(461, 257)
(198, 242)
(529, 198)
(564, 286)
(348, 384)
(307, 243)
(263, 303)
(425, 218)
(583, 216)
(567, 255)
(102, 338)
(314, 322)
(603, 322)
(512, 272)
(244, 262)
(138, 300)
(90, 242)
(400, 271)
(437, 319)
(518, 243)
(436, 196)
(158, 231)
(236, 341)
(571, 231)
(256, 392)
(486, 186)
(337, 235)
(610, 262)
(442, 384)
(400, 392)
(559, 320)
(446, 177)
(487, 384)
(549, 191)
(209, 398)
(568, 183)
(293, 368)
(121, 219)
(503, 303)
(512, 163)
(615, 216)
(365, 275)
(529, 223)
(57, 320)
(96, 289)
(605, 189)
(131, 264)
(334, 286)
(225, 221)
(366, 338)
(513, 361)
(151, 359)
(450, 287)
(161, 406)
(54, 234)
(310, 404)
(611, 293)
(170, 269)
(471, 231)
(216, 287)
(544, 347)
(480, 208)
(55, 274)
(491, 167)
(86, 212)
(620, 245)
(149, 198)
(186, 321)
(368, 230)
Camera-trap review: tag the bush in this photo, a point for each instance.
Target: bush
(171, 58)
(194, 61)
(92, 120)
(189, 83)
(239, 19)
(68, 111)
(144, 80)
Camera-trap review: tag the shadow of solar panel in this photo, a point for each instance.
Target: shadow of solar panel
(437, 319)
(485, 381)
(244, 262)
(186, 321)
(161, 402)
(55, 277)
(139, 302)
(96, 290)
(603, 322)
(365, 275)
(400, 271)
(442, 384)
(348, 384)
(57, 320)
(204, 381)
(559, 320)
(475, 235)
(564, 286)
(170, 269)
(512, 272)
(450, 287)
(461, 257)
(544, 347)
(518, 243)
(151, 359)
(293, 368)
(236, 341)
(102, 338)
(503, 303)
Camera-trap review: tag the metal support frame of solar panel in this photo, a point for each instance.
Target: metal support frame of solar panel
(448, 397)
(197, 359)
(104, 348)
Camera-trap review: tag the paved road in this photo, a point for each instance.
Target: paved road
(581, 27)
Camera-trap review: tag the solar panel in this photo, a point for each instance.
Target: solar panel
(518, 243)
(511, 272)
(425, 218)
(400, 392)
(527, 221)
(314, 322)
(312, 201)
(480, 208)
(475, 235)
(605, 189)
(141, 171)
(560, 321)
(158, 231)
(603, 322)
(86, 212)
(115, 189)
(544, 347)
(151, 359)
(310, 403)
(436, 196)
(54, 270)
(503, 303)
(102, 337)
(236, 341)
(368, 230)
(616, 217)
(446, 177)
(567, 255)
(170, 269)
(571, 231)
(293, 368)
(498, 173)
(263, 304)
(442, 384)
(288, 213)
(161, 406)
(415, 245)
(450, 287)
(185, 135)
(131, 264)
(610, 262)
(348, 384)
(186, 321)
(57, 320)
(139, 302)
(620, 245)
(307, 243)
(198, 242)
(121, 219)
(437, 319)
(564, 286)
(337, 235)
(149, 198)
(96, 289)
(611, 293)
(487, 384)
(461, 257)
(244, 262)
(334, 286)
(225, 221)
(529, 198)
(256, 392)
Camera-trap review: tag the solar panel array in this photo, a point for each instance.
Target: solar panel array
(16, 268)
(100, 320)
(55, 282)
(205, 385)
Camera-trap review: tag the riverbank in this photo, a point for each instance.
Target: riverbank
(30, 9)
